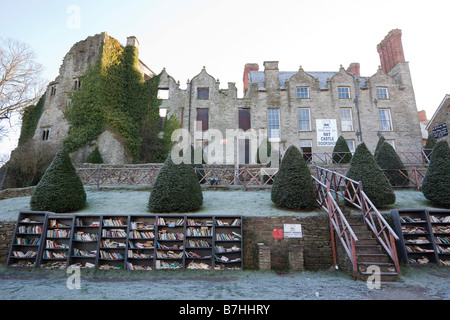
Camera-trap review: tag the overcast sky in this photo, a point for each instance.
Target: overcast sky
(185, 35)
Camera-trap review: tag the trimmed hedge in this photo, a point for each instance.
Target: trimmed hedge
(364, 168)
(94, 156)
(293, 187)
(176, 189)
(60, 189)
(380, 142)
(388, 160)
(436, 184)
(341, 151)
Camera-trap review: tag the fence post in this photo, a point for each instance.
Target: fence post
(98, 177)
(416, 177)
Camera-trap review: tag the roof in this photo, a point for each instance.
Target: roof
(323, 76)
(438, 110)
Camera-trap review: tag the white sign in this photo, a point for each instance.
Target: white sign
(327, 133)
(293, 231)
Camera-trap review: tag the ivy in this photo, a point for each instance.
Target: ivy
(30, 120)
(115, 96)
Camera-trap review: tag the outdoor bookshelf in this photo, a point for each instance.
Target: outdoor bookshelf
(425, 236)
(26, 246)
(131, 242)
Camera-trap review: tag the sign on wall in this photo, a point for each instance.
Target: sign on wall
(440, 131)
(327, 133)
(293, 231)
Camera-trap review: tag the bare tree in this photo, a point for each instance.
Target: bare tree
(20, 81)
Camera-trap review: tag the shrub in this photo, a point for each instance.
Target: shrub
(381, 140)
(176, 189)
(394, 169)
(341, 151)
(293, 187)
(436, 184)
(429, 146)
(94, 157)
(60, 189)
(364, 168)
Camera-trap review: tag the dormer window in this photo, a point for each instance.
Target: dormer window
(344, 92)
(382, 93)
(302, 93)
(163, 93)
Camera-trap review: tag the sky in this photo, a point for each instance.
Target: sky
(184, 36)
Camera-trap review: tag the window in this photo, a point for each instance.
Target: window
(162, 117)
(344, 92)
(304, 119)
(306, 149)
(382, 93)
(303, 93)
(163, 93)
(244, 119)
(385, 119)
(202, 119)
(203, 93)
(76, 84)
(45, 134)
(274, 124)
(351, 145)
(52, 90)
(346, 119)
(391, 142)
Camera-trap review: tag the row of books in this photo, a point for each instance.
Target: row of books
(195, 255)
(50, 244)
(85, 236)
(114, 233)
(228, 237)
(202, 232)
(83, 253)
(30, 229)
(198, 266)
(170, 236)
(141, 234)
(445, 263)
(192, 222)
(421, 260)
(413, 230)
(131, 266)
(141, 245)
(221, 249)
(28, 241)
(136, 225)
(28, 254)
(169, 254)
(111, 255)
(54, 255)
(443, 240)
(170, 223)
(440, 219)
(198, 244)
(419, 240)
(58, 233)
(442, 249)
(53, 223)
(415, 249)
(406, 219)
(80, 223)
(441, 229)
(235, 222)
(137, 255)
(113, 222)
(108, 243)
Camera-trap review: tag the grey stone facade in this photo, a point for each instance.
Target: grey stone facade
(384, 101)
(439, 123)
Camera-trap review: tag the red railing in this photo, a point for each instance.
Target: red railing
(352, 191)
(338, 224)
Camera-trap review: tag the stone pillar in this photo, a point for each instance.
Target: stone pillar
(264, 257)
(296, 262)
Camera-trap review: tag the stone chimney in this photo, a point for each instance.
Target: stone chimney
(354, 68)
(133, 41)
(422, 116)
(271, 74)
(249, 67)
(391, 50)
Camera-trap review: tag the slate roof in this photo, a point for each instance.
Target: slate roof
(259, 78)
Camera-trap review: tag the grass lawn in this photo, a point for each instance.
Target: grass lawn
(216, 202)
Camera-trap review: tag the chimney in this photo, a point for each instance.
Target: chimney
(271, 75)
(133, 41)
(391, 50)
(422, 116)
(249, 67)
(354, 68)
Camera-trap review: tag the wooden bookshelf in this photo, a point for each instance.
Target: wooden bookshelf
(131, 242)
(26, 247)
(56, 242)
(425, 236)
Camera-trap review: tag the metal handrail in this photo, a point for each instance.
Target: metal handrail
(338, 223)
(357, 197)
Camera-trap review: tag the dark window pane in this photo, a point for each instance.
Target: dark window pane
(203, 93)
(244, 119)
(203, 117)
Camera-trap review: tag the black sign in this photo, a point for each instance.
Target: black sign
(440, 131)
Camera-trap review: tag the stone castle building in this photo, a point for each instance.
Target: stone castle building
(307, 109)
(302, 108)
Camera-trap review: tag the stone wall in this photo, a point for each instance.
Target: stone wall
(316, 241)
(6, 235)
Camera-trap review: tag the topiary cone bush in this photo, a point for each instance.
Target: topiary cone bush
(293, 187)
(436, 184)
(341, 151)
(364, 168)
(394, 169)
(94, 156)
(380, 142)
(60, 189)
(176, 189)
